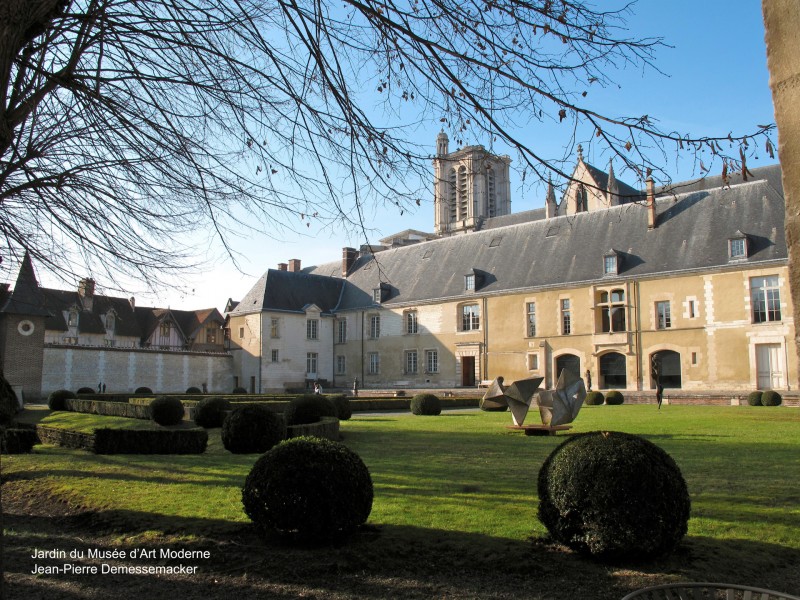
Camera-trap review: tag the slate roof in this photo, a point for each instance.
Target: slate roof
(691, 235)
(290, 291)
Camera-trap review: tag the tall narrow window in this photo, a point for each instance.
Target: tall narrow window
(275, 356)
(766, 299)
(470, 317)
(469, 283)
(531, 319)
(610, 264)
(663, 315)
(566, 317)
(412, 326)
(341, 364)
(311, 363)
(432, 361)
(374, 363)
(341, 331)
(312, 329)
(463, 200)
(375, 326)
(411, 362)
(274, 331)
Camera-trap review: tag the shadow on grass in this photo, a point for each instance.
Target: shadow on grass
(380, 561)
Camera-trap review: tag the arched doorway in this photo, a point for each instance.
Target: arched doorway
(668, 364)
(613, 371)
(570, 362)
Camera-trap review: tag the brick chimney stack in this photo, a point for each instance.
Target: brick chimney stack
(294, 265)
(283, 267)
(349, 256)
(651, 204)
(86, 293)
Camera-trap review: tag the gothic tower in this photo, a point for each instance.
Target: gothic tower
(469, 185)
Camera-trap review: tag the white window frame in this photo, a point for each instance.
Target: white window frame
(663, 314)
(373, 363)
(341, 331)
(374, 327)
(565, 306)
(411, 362)
(341, 364)
(531, 322)
(470, 317)
(431, 361)
(312, 363)
(312, 329)
(412, 322)
(766, 292)
(274, 328)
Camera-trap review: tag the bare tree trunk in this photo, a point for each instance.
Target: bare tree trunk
(782, 22)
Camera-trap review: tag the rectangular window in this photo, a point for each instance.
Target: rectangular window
(341, 331)
(341, 365)
(274, 332)
(737, 248)
(469, 283)
(374, 363)
(312, 329)
(692, 309)
(411, 322)
(311, 363)
(470, 317)
(531, 319)
(376, 295)
(432, 361)
(241, 333)
(211, 335)
(663, 316)
(566, 317)
(411, 362)
(275, 356)
(610, 265)
(375, 326)
(766, 299)
(165, 329)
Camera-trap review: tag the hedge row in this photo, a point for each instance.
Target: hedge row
(17, 440)
(128, 441)
(109, 409)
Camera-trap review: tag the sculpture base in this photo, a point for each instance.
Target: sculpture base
(539, 429)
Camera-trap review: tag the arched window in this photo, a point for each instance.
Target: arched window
(612, 311)
(613, 372)
(570, 362)
(665, 367)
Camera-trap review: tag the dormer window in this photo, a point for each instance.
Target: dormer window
(111, 321)
(737, 246)
(376, 295)
(72, 320)
(611, 264)
(469, 282)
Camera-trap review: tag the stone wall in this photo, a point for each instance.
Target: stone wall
(124, 370)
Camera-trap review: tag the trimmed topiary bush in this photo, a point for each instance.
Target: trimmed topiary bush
(309, 409)
(17, 441)
(85, 390)
(754, 398)
(166, 410)
(239, 390)
(251, 429)
(58, 400)
(614, 397)
(594, 399)
(613, 496)
(210, 412)
(143, 390)
(426, 404)
(308, 490)
(194, 390)
(771, 398)
(9, 407)
(343, 408)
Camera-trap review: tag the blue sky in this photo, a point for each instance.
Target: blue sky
(715, 81)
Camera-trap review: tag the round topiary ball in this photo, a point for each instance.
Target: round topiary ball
(210, 412)
(613, 496)
(594, 399)
(309, 490)
(754, 398)
(343, 408)
(252, 429)
(426, 404)
(309, 409)
(771, 398)
(614, 397)
(58, 400)
(194, 390)
(166, 410)
(85, 390)
(239, 390)
(143, 390)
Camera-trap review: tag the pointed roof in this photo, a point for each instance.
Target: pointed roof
(27, 298)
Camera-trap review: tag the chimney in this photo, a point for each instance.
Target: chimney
(86, 293)
(294, 265)
(651, 205)
(349, 256)
(283, 267)
(550, 206)
(132, 303)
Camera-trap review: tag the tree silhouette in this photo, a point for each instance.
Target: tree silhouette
(128, 128)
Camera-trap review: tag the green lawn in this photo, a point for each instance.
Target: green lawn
(463, 480)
